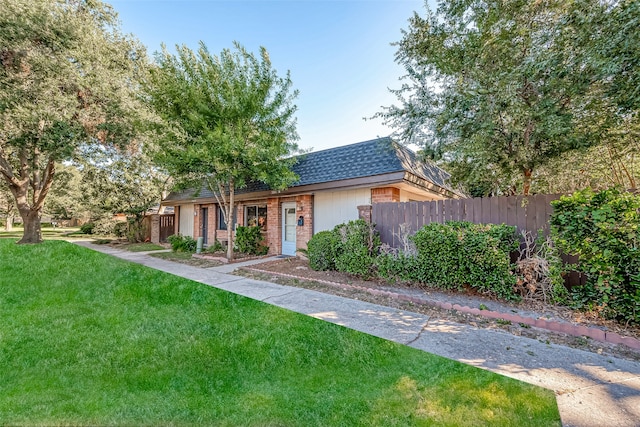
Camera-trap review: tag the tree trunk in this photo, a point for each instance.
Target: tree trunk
(526, 186)
(230, 221)
(32, 231)
(8, 226)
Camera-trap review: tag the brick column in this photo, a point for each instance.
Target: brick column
(274, 226)
(364, 212)
(197, 222)
(304, 209)
(155, 228)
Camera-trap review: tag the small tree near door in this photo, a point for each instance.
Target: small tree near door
(228, 120)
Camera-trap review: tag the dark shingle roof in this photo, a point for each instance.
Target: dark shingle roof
(369, 158)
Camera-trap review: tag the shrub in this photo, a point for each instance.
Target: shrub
(602, 230)
(104, 226)
(357, 247)
(350, 248)
(87, 228)
(249, 240)
(120, 229)
(321, 251)
(458, 253)
(216, 247)
(396, 265)
(180, 243)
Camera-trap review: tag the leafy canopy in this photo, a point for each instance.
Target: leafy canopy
(67, 77)
(495, 89)
(228, 120)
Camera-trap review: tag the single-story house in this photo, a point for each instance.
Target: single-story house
(334, 186)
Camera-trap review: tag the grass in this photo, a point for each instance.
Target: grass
(90, 339)
(47, 233)
(141, 247)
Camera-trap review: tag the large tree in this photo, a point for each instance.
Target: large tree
(7, 206)
(230, 121)
(67, 77)
(495, 89)
(117, 181)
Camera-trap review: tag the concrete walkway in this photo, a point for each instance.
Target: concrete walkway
(591, 389)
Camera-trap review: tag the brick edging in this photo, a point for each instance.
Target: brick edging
(550, 325)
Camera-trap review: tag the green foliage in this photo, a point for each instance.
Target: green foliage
(120, 229)
(87, 228)
(351, 248)
(249, 240)
(114, 181)
(180, 243)
(456, 254)
(217, 246)
(68, 75)
(396, 265)
(357, 247)
(105, 226)
(496, 89)
(602, 230)
(229, 120)
(321, 250)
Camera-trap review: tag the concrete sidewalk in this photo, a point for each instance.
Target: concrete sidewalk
(591, 389)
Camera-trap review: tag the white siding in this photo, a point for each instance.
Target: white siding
(186, 220)
(335, 207)
(406, 196)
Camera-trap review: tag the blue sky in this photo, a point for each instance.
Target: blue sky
(338, 51)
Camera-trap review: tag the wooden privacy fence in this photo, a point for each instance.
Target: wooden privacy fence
(166, 226)
(530, 213)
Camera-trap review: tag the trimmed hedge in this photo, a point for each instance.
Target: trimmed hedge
(602, 229)
(458, 254)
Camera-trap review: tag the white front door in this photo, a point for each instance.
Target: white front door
(289, 229)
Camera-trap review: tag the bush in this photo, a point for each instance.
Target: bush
(105, 226)
(602, 230)
(357, 247)
(216, 247)
(180, 243)
(350, 248)
(458, 253)
(87, 228)
(321, 251)
(394, 265)
(120, 229)
(249, 240)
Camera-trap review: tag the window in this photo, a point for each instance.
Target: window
(255, 215)
(222, 224)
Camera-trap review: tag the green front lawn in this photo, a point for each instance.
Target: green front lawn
(47, 232)
(90, 339)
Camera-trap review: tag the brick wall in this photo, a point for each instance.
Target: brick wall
(304, 208)
(274, 226)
